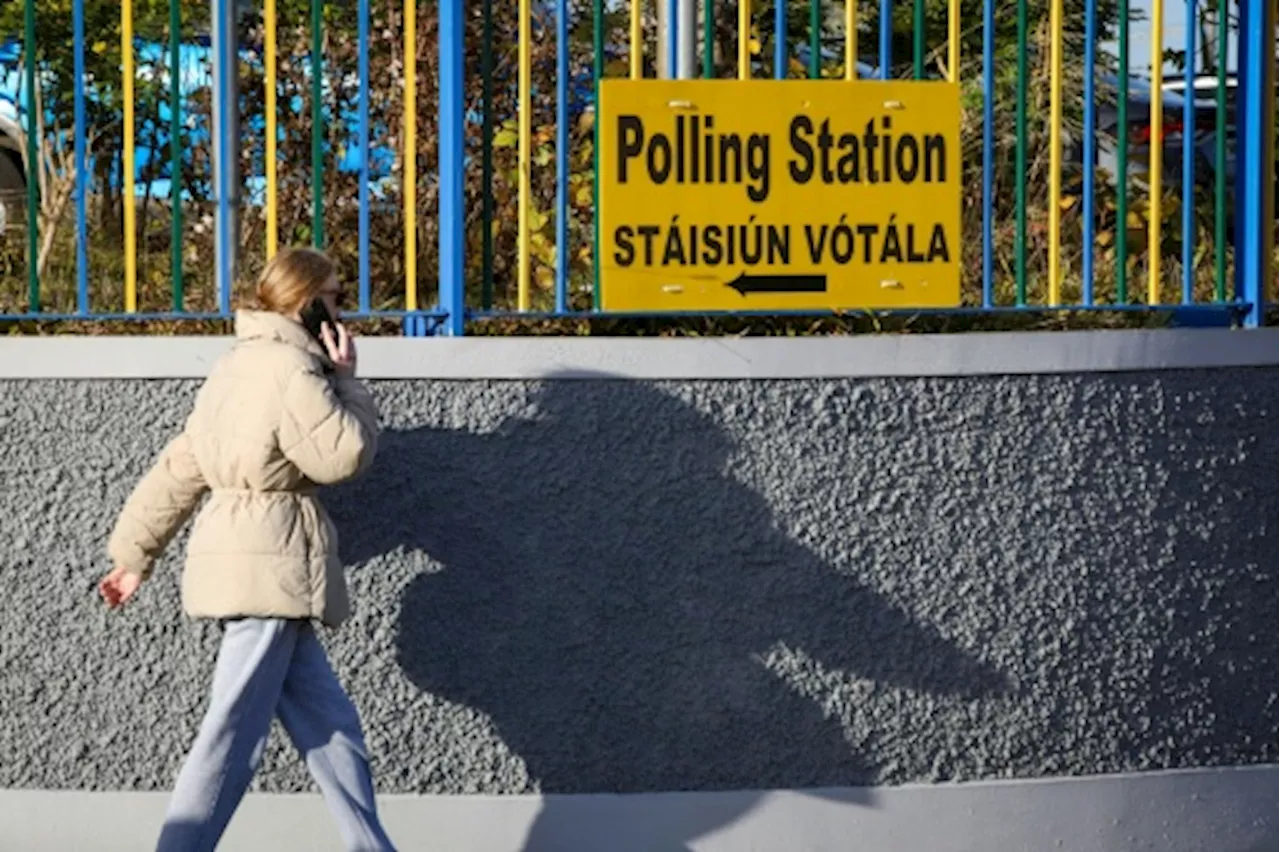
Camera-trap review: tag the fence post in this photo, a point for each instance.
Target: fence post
(1255, 161)
(452, 141)
(226, 172)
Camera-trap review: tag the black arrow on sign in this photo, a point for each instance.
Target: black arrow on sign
(746, 284)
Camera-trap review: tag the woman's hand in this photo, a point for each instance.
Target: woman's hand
(342, 349)
(118, 586)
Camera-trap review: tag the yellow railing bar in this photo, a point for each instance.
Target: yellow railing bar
(1154, 220)
(953, 40)
(744, 39)
(130, 189)
(1055, 152)
(269, 74)
(851, 39)
(525, 132)
(637, 40)
(410, 155)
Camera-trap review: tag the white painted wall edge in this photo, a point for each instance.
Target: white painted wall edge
(978, 353)
(1227, 810)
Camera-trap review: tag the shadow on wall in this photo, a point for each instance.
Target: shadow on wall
(607, 598)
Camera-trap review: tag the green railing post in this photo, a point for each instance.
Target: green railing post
(1220, 163)
(708, 38)
(1020, 176)
(597, 72)
(815, 38)
(33, 161)
(917, 38)
(486, 158)
(175, 151)
(317, 131)
(1122, 162)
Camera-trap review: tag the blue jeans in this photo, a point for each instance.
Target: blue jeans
(268, 667)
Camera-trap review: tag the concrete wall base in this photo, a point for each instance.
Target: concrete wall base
(1226, 810)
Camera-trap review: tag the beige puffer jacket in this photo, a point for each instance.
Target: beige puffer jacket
(270, 424)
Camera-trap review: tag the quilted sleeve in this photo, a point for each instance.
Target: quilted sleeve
(328, 427)
(158, 507)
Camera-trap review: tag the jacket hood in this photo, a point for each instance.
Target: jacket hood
(269, 325)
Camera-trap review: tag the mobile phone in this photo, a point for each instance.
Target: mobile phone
(314, 316)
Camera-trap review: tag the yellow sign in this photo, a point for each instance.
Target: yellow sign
(779, 195)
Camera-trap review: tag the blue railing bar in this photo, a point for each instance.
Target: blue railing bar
(364, 286)
(226, 173)
(1236, 197)
(397, 314)
(562, 154)
(886, 39)
(780, 39)
(1188, 158)
(453, 211)
(1237, 308)
(673, 39)
(988, 148)
(205, 316)
(113, 316)
(1254, 174)
(1005, 310)
(81, 190)
(1090, 135)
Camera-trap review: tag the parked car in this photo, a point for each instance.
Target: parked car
(1137, 134)
(13, 179)
(1204, 92)
(152, 137)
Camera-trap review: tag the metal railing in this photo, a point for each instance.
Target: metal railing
(1146, 181)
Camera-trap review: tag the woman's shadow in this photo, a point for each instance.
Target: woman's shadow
(608, 595)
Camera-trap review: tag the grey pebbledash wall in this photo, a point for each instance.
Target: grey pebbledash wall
(620, 585)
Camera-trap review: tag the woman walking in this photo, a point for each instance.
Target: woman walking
(280, 414)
